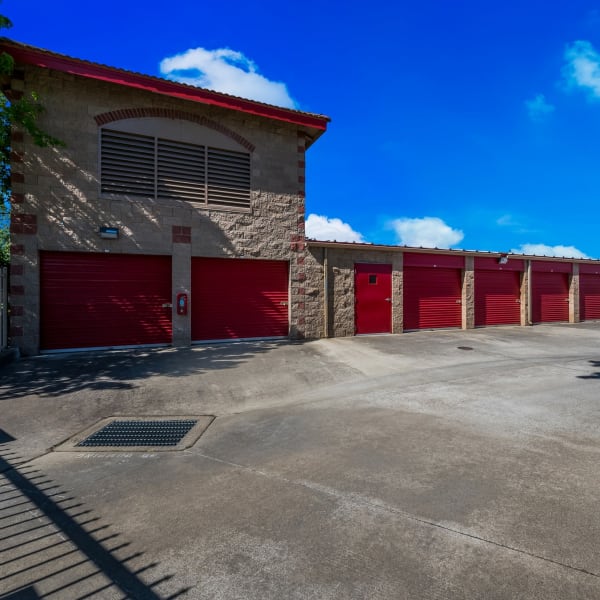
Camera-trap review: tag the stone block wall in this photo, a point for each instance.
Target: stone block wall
(525, 296)
(330, 312)
(331, 291)
(337, 302)
(468, 294)
(57, 204)
(574, 307)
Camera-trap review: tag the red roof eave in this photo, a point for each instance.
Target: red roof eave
(65, 64)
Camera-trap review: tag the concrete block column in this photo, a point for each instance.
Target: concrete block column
(526, 295)
(181, 282)
(468, 294)
(397, 293)
(574, 316)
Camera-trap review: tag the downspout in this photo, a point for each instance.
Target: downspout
(325, 294)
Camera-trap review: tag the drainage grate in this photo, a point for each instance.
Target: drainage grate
(140, 433)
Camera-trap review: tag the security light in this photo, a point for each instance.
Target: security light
(109, 233)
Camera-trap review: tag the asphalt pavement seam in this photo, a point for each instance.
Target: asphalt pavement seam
(369, 384)
(357, 499)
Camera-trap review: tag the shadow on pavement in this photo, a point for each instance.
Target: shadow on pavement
(54, 375)
(51, 546)
(596, 375)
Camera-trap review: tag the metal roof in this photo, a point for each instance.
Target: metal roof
(421, 249)
(316, 124)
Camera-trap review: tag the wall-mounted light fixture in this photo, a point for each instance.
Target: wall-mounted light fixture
(109, 233)
(503, 259)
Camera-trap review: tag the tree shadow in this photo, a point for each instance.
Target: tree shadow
(595, 364)
(51, 546)
(54, 375)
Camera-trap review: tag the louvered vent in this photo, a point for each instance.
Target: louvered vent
(141, 165)
(180, 172)
(127, 163)
(228, 178)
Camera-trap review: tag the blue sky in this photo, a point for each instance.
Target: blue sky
(463, 124)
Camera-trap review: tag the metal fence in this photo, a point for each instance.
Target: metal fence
(3, 308)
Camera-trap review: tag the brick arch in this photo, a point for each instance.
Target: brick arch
(170, 113)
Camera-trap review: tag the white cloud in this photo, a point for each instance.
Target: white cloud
(325, 229)
(582, 68)
(514, 224)
(545, 250)
(227, 71)
(539, 108)
(506, 221)
(429, 232)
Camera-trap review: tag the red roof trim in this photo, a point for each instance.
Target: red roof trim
(66, 64)
(420, 259)
(557, 266)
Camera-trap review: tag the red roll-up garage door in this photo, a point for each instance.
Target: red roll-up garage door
(104, 300)
(497, 298)
(432, 291)
(497, 291)
(239, 299)
(589, 295)
(550, 296)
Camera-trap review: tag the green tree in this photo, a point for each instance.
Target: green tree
(23, 113)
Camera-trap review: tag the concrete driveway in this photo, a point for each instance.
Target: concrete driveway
(372, 467)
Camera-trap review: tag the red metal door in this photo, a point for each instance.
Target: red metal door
(372, 298)
(432, 298)
(497, 297)
(239, 299)
(550, 297)
(104, 300)
(589, 296)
